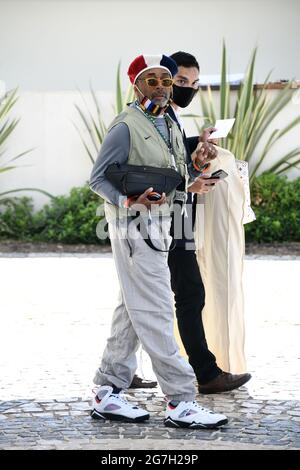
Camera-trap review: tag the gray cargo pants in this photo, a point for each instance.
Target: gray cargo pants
(144, 314)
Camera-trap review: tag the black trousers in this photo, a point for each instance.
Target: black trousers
(189, 293)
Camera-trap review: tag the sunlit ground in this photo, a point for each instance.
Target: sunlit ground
(56, 312)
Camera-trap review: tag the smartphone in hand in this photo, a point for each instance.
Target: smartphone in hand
(219, 174)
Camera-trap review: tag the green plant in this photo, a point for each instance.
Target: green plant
(73, 218)
(254, 113)
(67, 219)
(276, 203)
(92, 119)
(7, 126)
(17, 219)
(70, 219)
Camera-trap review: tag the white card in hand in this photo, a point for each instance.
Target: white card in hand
(223, 127)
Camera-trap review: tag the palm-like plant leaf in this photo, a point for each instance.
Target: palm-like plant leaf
(26, 189)
(7, 126)
(92, 119)
(254, 114)
(119, 93)
(225, 89)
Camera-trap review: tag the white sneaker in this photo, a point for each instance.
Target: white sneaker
(188, 414)
(107, 405)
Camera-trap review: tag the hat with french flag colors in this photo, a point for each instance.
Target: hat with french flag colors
(146, 62)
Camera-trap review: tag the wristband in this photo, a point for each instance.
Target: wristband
(127, 201)
(196, 167)
(201, 169)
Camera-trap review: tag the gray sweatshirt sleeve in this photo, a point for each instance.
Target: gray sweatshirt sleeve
(115, 148)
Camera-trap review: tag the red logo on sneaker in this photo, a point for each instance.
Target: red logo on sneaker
(172, 407)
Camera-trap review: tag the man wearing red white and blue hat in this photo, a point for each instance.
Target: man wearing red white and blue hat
(143, 67)
(142, 63)
(143, 134)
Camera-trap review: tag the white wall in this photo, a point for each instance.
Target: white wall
(58, 160)
(56, 45)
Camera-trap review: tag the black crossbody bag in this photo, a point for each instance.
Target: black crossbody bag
(133, 180)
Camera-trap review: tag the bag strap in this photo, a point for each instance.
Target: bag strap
(148, 240)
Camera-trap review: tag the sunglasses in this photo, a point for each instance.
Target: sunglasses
(165, 82)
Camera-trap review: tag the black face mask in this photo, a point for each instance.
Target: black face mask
(182, 96)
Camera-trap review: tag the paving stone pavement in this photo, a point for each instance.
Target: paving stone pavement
(55, 325)
(66, 424)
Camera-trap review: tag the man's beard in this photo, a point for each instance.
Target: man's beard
(160, 102)
(151, 104)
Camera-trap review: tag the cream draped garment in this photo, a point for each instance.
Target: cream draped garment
(220, 247)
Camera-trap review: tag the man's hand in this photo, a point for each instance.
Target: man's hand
(142, 202)
(204, 153)
(204, 137)
(203, 185)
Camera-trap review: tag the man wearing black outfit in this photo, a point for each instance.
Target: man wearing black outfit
(186, 279)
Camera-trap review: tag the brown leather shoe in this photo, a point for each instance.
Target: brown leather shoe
(224, 383)
(138, 382)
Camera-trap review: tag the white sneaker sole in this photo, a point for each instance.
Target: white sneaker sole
(171, 423)
(114, 417)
